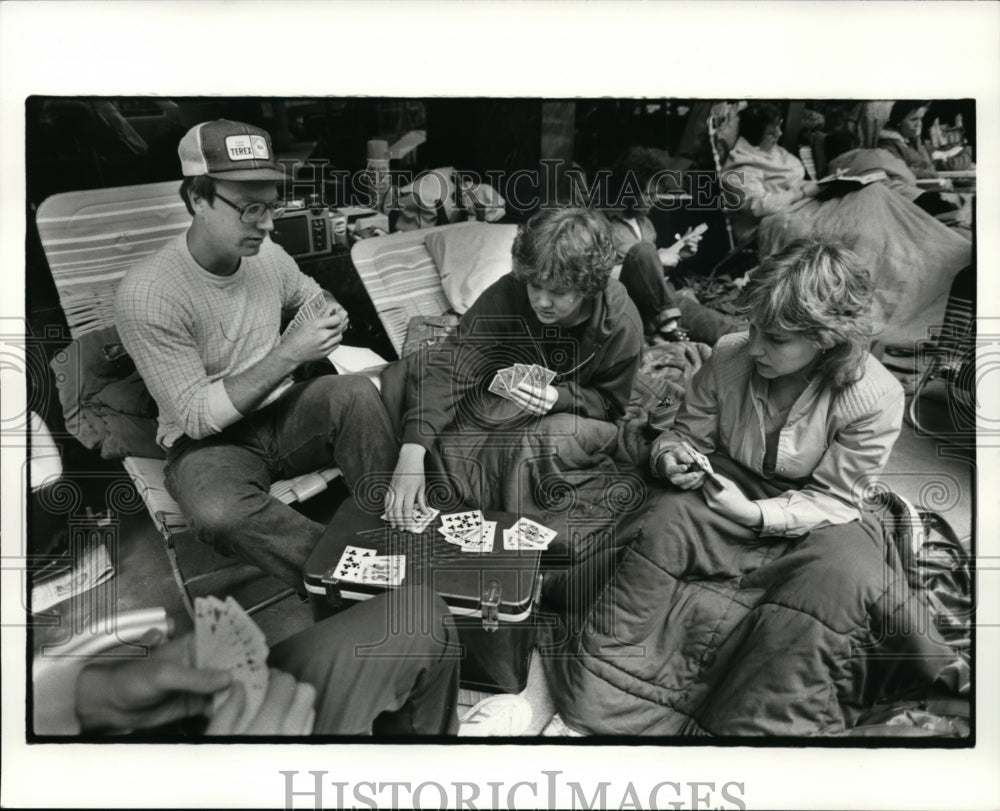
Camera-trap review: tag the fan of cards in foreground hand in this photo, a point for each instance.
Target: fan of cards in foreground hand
(470, 532)
(507, 380)
(225, 638)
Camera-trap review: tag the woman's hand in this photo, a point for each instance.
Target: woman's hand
(538, 400)
(724, 497)
(676, 466)
(407, 488)
(146, 693)
(287, 709)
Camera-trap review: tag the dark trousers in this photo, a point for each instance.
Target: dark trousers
(221, 482)
(642, 275)
(388, 666)
(657, 302)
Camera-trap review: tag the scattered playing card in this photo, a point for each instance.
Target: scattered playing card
(349, 566)
(527, 534)
(460, 523)
(383, 570)
(480, 539)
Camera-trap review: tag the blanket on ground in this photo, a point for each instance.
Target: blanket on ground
(578, 475)
(706, 629)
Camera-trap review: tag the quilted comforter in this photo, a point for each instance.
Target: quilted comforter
(706, 629)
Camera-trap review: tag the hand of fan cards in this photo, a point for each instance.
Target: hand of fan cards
(316, 307)
(225, 638)
(505, 381)
(472, 533)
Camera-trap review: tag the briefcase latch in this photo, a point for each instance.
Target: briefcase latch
(491, 606)
(332, 586)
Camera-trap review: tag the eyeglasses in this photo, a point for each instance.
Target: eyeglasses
(254, 212)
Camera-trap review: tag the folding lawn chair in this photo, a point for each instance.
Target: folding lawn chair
(90, 239)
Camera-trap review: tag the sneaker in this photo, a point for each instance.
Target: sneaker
(557, 729)
(506, 715)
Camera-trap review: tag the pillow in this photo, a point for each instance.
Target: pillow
(469, 259)
(105, 404)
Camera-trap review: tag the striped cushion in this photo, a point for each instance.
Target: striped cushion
(92, 237)
(401, 279)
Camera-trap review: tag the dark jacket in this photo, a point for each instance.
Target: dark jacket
(596, 363)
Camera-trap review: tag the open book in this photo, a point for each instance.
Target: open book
(854, 179)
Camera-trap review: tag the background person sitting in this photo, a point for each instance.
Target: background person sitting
(645, 268)
(770, 177)
(912, 257)
(901, 137)
(630, 195)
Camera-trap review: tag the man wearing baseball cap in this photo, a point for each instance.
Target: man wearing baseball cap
(201, 319)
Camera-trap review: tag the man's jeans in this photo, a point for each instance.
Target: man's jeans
(221, 482)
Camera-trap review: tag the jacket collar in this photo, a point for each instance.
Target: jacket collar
(891, 135)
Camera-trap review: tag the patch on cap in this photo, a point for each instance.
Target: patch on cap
(247, 148)
(229, 150)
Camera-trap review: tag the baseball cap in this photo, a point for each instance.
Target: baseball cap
(229, 150)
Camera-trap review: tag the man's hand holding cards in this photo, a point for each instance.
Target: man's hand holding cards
(316, 330)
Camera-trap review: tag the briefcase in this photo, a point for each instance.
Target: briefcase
(491, 595)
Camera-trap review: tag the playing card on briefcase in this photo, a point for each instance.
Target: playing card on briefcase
(490, 590)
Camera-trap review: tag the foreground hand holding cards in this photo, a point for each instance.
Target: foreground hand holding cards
(225, 638)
